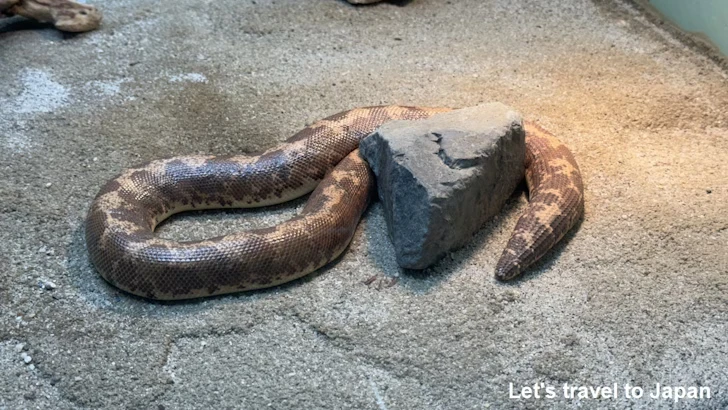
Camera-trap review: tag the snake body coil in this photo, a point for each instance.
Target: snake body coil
(322, 157)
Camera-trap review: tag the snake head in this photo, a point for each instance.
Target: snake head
(76, 18)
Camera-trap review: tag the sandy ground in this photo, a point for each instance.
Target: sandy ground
(637, 295)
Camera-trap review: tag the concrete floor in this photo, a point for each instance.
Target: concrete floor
(638, 295)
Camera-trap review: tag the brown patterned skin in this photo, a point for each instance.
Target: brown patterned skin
(65, 15)
(121, 221)
(556, 202)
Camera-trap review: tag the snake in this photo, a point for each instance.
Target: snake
(65, 15)
(322, 159)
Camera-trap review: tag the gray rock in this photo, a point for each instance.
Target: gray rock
(441, 178)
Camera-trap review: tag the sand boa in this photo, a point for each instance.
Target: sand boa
(65, 15)
(324, 157)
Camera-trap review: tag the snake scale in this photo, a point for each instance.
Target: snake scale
(322, 158)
